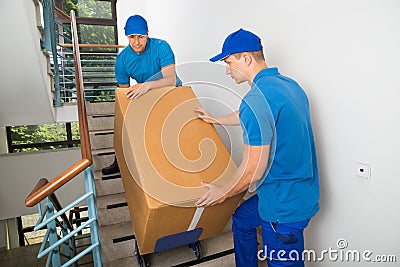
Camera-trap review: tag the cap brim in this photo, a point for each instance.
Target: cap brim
(135, 34)
(219, 57)
(138, 32)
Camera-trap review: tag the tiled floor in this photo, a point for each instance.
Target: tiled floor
(27, 256)
(21, 257)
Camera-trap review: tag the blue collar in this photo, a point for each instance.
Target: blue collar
(266, 72)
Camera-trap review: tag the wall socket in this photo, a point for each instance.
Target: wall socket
(363, 170)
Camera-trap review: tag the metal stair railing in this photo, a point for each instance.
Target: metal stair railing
(97, 63)
(62, 248)
(54, 30)
(44, 191)
(98, 76)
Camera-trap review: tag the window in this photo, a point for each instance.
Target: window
(96, 19)
(42, 137)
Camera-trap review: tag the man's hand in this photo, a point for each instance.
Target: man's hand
(137, 90)
(205, 115)
(215, 195)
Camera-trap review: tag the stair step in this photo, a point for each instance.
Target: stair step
(101, 122)
(228, 226)
(130, 261)
(104, 201)
(97, 108)
(123, 251)
(117, 242)
(101, 139)
(184, 254)
(102, 158)
(108, 184)
(113, 209)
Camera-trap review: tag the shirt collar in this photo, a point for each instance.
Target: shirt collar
(266, 72)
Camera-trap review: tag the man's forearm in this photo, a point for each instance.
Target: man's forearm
(166, 81)
(251, 169)
(240, 183)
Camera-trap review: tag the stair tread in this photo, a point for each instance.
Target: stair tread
(129, 261)
(103, 201)
(116, 230)
(98, 175)
(103, 150)
(100, 108)
(106, 131)
(96, 115)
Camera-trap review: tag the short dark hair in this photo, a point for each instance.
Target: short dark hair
(257, 55)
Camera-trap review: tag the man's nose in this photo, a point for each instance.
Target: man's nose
(227, 70)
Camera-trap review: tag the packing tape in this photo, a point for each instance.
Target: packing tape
(196, 218)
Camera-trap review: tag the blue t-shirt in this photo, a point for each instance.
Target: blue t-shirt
(276, 112)
(145, 66)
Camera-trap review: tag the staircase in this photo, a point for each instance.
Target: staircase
(114, 218)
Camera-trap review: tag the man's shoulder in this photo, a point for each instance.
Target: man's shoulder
(124, 52)
(155, 42)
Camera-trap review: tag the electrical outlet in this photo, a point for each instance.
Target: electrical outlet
(363, 170)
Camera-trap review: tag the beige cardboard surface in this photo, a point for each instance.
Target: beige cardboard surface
(164, 153)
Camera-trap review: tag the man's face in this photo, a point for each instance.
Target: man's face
(234, 68)
(138, 42)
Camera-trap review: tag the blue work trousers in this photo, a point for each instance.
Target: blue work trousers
(283, 243)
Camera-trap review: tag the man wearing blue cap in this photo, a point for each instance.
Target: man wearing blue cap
(279, 158)
(149, 61)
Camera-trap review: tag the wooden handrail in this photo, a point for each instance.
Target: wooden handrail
(41, 191)
(84, 130)
(60, 12)
(95, 45)
(36, 196)
(42, 182)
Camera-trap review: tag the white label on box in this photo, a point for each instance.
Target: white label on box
(196, 218)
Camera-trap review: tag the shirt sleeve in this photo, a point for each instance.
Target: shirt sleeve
(257, 121)
(121, 75)
(166, 55)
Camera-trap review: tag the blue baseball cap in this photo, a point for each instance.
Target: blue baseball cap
(136, 24)
(238, 41)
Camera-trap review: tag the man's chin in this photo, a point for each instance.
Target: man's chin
(138, 50)
(237, 81)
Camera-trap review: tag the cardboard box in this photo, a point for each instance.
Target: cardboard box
(164, 152)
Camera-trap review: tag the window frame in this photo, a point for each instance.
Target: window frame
(65, 143)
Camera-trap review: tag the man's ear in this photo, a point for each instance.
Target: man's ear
(247, 58)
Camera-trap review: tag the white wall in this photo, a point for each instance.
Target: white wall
(25, 91)
(345, 53)
(19, 173)
(3, 140)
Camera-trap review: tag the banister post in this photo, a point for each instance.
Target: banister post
(67, 250)
(53, 238)
(92, 212)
